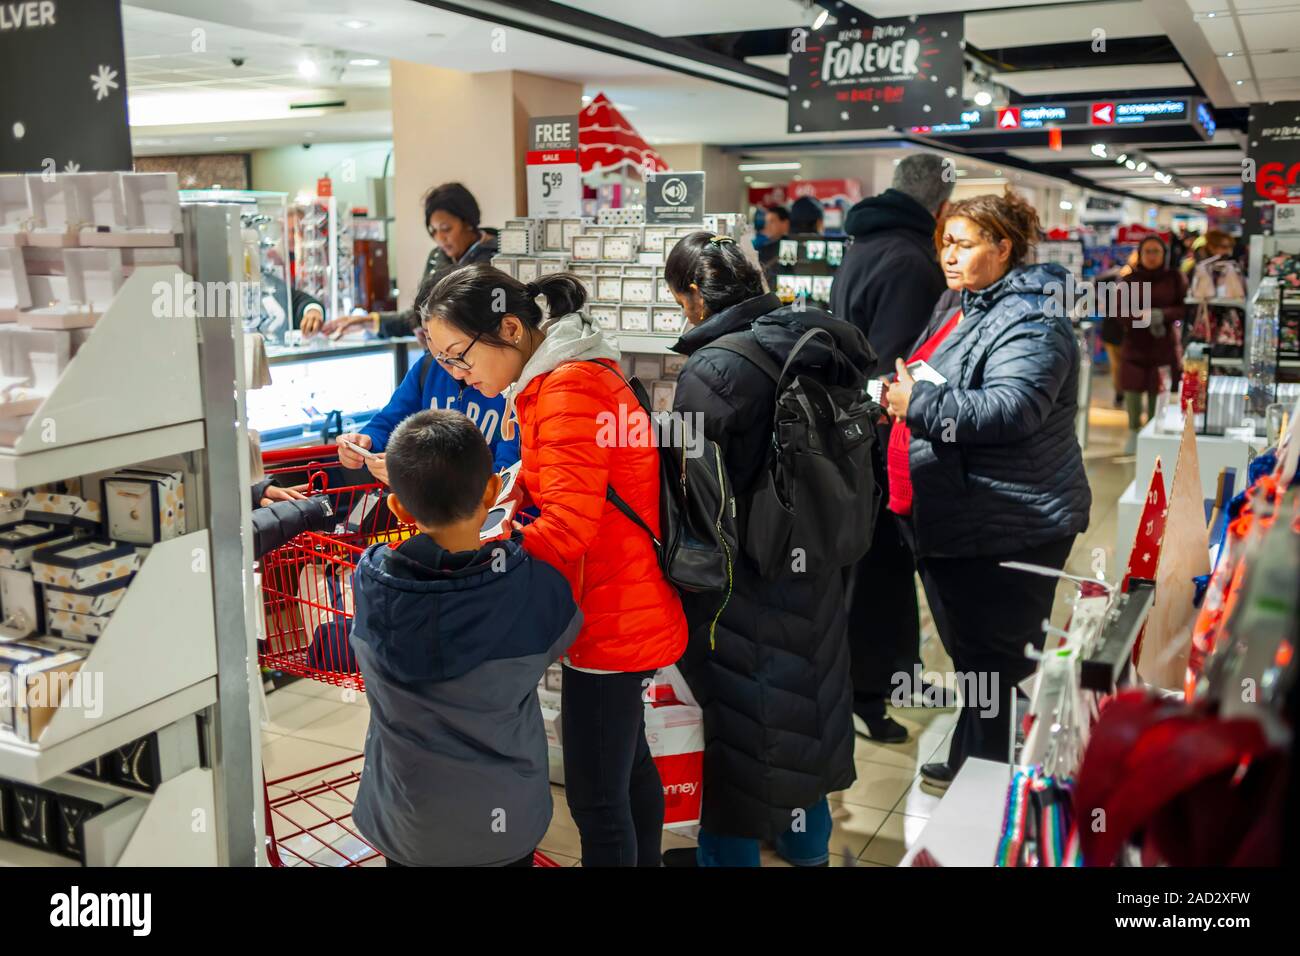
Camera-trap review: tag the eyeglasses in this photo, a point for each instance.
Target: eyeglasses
(457, 361)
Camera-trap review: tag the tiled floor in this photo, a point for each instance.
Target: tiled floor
(875, 821)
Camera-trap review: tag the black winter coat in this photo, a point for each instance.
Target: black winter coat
(439, 264)
(276, 524)
(890, 277)
(775, 687)
(994, 459)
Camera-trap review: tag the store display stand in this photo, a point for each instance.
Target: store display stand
(182, 642)
(964, 829)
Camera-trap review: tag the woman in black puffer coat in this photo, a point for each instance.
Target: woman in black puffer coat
(774, 679)
(992, 471)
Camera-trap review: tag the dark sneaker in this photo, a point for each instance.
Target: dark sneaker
(882, 730)
(680, 856)
(936, 776)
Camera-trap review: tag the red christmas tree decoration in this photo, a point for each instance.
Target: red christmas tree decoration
(1150, 535)
(1150, 531)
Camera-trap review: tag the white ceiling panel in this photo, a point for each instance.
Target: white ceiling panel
(1062, 24)
(1273, 66)
(1222, 34)
(1235, 67)
(904, 8)
(1096, 79)
(667, 18)
(1271, 31)
(1184, 157)
(1045, 154)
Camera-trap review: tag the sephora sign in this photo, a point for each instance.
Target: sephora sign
(871, 74)
(63, 93)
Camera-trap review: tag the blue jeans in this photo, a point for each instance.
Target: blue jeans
(809, 846)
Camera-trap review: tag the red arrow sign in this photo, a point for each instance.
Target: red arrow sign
(1009, 118)
(1102, 114)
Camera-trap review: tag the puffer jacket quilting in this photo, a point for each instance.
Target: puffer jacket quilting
(633, 616)
(995, 462)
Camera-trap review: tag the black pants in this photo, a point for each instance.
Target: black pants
(987, 614)
(610, 779)
(526, 861)
(884, 620)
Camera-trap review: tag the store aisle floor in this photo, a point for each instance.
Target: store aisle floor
(875, 821)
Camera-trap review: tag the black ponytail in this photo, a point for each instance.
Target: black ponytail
(717, 266)
(474, 299)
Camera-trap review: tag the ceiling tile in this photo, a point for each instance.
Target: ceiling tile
(1222, 34)
(1000, 29)
(1271, 31)
(1235, 67)
(1096, 79)
(1272, 66)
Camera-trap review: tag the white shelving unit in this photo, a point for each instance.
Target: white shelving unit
(149, 384)
(651, 344)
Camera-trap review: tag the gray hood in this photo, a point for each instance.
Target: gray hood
(569, 338)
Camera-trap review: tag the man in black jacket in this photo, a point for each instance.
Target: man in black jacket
(887, 286)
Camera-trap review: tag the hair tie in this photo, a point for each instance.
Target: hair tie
(533, 290)
(719, 240)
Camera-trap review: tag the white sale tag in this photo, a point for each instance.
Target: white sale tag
(554, 190)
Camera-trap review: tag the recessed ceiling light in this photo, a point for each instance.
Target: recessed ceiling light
(821, 19)
(1239, 82)
(354, 24)
(363, 61)
(1229, 53)
(983, 98)
(308, 68)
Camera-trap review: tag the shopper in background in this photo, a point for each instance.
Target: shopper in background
(564, 382)
(806, 216)
(451, 215)
(776, 226)
(452, 637)
(1150, 336)
(887, 286)
(773, 676)
(986, 467)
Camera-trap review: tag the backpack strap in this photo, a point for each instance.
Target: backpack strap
(747, 347)
(424, 370)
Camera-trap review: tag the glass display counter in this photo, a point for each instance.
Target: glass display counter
(319, 390)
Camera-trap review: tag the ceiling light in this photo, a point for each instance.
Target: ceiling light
(1099, 150)
(765, 167)
(1066, 204)
(364, 61)
(1196, 189)
(821, 19)
(1229, 53)
(354, 24)
(1131, 165)
(1141, 167)
(1121, 157)
(1239, 82)
(1185, 193)
(307, 68)
(983, 98)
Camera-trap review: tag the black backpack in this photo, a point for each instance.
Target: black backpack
(697, 513)
(814, 509)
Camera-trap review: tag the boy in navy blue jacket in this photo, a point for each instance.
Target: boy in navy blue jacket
(428, 385)
(452, 636)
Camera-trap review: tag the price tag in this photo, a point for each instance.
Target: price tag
(553, 174)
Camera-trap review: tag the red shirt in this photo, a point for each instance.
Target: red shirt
(900, 436)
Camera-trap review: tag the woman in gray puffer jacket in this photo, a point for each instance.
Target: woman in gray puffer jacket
(985, 466)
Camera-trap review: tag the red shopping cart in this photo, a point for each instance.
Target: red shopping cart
(307, 613)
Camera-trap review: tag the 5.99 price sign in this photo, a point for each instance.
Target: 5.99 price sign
(1274, 144)
(553, 174)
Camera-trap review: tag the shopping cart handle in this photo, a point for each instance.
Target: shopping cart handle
(307, 454)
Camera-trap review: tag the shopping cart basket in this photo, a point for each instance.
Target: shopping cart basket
(307, 611)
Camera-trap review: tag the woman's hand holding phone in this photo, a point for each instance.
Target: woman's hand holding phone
(348, 457)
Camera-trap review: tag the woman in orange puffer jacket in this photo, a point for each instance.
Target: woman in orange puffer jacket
(582, 432)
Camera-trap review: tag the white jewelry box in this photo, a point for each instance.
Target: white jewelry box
(21, 539)
(546, 267)
(15, 211)
(65, 510)
(101, 600)
(585, 248)
(153, 206)
(514, 242)
(33, 707)
(667, 319)
(572, 228)
(661, 396)
(142, 507)
(668, 246)
(15, 291)
(526, 270)
(93, 277)
(673, 364)
(664, 295)
(507, 264)
(634, 319)
(609, 288)
(605, 316)
(20, 608)
(54, 214)
(83, 564)
(620, 247)
(553, 232)
(85, 627)
(655, 236)
(646, 367)
(638, 289)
